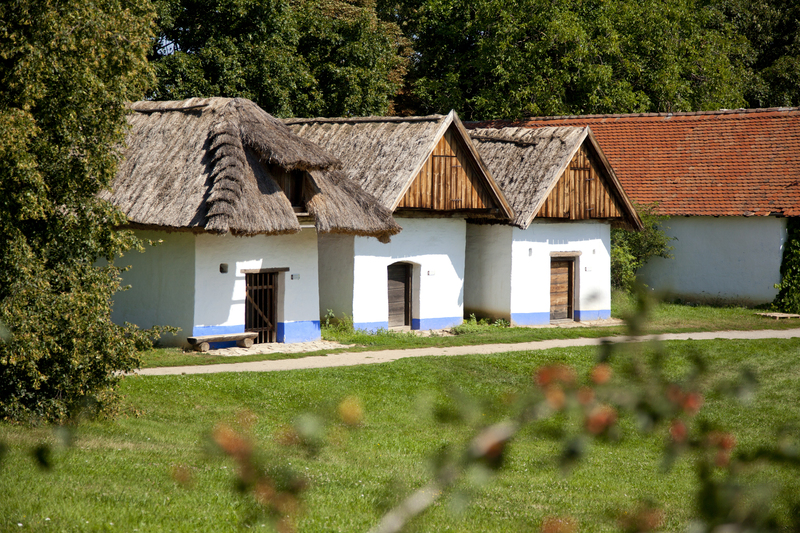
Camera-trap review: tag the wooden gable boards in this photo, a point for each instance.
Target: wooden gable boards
(423, 164)
(556, 173)
(584, 191)
(453, 177)
(450, 180)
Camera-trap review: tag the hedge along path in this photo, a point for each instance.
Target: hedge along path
(386, 356)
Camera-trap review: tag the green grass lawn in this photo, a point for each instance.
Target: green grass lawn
(664, 318)
(120, 475)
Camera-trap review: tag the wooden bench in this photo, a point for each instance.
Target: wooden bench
(202, 343)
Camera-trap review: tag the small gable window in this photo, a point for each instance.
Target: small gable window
(291, 183)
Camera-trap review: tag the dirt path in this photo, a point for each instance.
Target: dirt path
(385, 356)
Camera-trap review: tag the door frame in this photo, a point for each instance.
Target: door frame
(261, 306)
(407, 293)
(572, 259)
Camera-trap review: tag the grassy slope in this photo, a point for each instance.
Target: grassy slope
(120, 471)
(665, 318)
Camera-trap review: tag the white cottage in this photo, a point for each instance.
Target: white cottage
(729, 180)
(427, 172)
(236, 203)
(552, 262)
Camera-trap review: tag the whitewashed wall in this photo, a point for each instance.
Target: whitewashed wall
(336, 274)
(219, 298)
(508, 270)
(161, 283)
(720, 259)
(487, 272)
(436, 248)
(530, 271)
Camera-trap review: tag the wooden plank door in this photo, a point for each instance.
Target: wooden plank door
(561, 289)
(399, 278)
(261, 305)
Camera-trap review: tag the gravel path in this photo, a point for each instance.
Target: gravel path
(385, 356)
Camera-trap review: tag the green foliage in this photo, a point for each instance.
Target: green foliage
(487, 60)
(772, 28)
(67, 71)
(473, 325)
(325, 57)
(630, 250)
(788, 298)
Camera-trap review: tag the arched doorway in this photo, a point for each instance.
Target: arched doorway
(399, 287)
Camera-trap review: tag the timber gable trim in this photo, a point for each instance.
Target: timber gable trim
(531, 164)
(391, 157)
(585, 189)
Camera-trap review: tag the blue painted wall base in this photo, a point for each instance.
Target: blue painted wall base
(371, 327)
(435, 323)
(583, 316)
(530, 319)
(304, 331)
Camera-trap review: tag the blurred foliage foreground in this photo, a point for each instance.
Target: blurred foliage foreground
(583, 409)
(573, 407)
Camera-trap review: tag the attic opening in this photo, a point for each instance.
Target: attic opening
(292, 183)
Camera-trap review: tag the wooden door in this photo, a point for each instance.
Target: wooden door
(561, 289)
(399, 277)
(261, 305)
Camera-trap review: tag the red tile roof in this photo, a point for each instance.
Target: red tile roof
(718, 163)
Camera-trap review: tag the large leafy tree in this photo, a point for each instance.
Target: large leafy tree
(772, 28)
(304, 58)
(512, 58)
(66, 71)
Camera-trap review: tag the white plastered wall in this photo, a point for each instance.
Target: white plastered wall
(487, 272)
(336, 274)
(220, 297)
(435, 247)
(720, 259)
(161, 283)
(530, 272)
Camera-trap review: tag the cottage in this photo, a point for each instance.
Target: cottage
(552, 262)
(728, 180)
(235, 203)
(427, 172)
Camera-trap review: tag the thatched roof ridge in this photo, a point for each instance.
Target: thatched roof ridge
(203, 165)
(385, 154)
(382, 156)
(361, 120)
(527, 164)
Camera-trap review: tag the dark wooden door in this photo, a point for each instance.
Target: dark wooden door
(561, 289)
(399, 276)
(261, 305)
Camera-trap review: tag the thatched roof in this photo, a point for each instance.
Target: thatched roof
(203, 164)
(527, 163)
(385, 154)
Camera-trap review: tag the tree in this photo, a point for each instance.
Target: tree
(66, 71)
(508, 59)
(326, 57)
(772, 27)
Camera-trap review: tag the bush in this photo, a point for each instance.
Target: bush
(473, 325)
(788, 298)
(630, 250)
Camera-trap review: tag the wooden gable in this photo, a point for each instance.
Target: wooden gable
(583, 191)
(449, 180)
